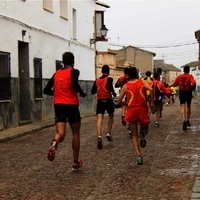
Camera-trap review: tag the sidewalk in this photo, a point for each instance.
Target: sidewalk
(12, 133)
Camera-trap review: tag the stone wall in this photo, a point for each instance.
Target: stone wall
(41, 109)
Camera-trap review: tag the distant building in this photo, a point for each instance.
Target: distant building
(169, 71)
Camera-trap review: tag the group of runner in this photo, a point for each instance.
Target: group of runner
(137, 98)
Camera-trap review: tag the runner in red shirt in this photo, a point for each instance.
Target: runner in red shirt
(137, 108)
(149, 80)
(159, 90)
(64, 87)
(119, 84)
(103, 87)
(186, 85)
(168, 94)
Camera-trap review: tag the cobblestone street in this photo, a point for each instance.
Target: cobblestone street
(171, 163)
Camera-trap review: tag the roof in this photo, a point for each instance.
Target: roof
(164, 66)
(192, 64)
(154, 54)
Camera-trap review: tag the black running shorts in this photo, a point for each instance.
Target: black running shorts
(185, 97)
(67, 113)
(105, 105)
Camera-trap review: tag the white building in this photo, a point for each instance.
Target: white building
(34, 34)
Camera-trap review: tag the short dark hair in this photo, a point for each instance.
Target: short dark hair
(186, 69)
(133, 72)
(148, 73)
(105, 69)
(159, 70)
(126, 70)
(156, 75)
(68, 58)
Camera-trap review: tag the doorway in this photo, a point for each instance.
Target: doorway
(24, 83)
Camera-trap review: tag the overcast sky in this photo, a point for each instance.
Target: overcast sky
(167, 25)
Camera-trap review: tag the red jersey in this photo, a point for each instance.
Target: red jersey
(184, 81)
(159, 89)
(136, 94)
(102, 88)
(168, 90)
(63, 91)
(123, 80)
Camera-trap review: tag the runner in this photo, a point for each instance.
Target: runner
(119, 84)
(137, 108)
(64, 87)
(186, 85)
(168, 94)
(149, 80)
(103, 87)
(159, 90)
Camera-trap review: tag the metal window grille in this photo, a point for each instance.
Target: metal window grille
(5, 76)
(37, 77)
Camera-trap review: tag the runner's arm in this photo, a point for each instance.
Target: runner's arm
(48, 90)
(110, 86)
(121, 96)
(117, 85)
(75, 85)
(94, 88)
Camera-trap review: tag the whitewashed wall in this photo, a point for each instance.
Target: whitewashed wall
(48, 35)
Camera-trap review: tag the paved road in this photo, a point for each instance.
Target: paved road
(171, 163)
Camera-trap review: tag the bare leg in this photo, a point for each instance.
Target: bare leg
(188, 111)
(110, 122)
(134, 131)
(61, 131)
(99, 123)
(76, 139)
(158, 113)
(183, 111)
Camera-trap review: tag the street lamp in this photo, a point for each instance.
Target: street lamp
(104, 31)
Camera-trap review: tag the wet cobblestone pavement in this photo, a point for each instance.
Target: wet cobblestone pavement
(171, 163)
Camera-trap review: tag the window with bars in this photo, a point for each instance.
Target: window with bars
(5, 76)
(37, 77)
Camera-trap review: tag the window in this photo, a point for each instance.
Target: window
(37, 77)
(5, 76)
(59, 64)
(64, 8)
(48, 5)
(74, 23)
(99, 22)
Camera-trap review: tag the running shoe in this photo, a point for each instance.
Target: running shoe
(184, 125)
(99, 142)
(52, 150)
(140, 160)
(109, 137)
(156, 125)
(76, 166)
(188, 123)
(123, 120)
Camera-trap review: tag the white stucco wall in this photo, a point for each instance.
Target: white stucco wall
(48, 35)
